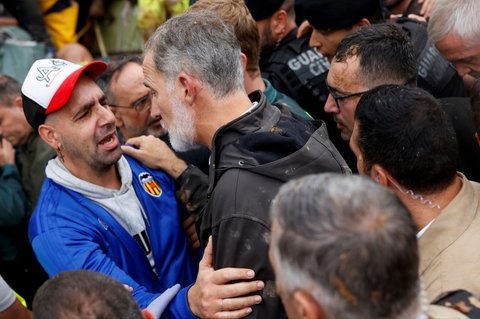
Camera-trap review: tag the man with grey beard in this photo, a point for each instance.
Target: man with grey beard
(130, 101)
(194, 70)
(102, 211)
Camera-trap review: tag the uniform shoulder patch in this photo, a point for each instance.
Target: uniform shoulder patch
(149, 184)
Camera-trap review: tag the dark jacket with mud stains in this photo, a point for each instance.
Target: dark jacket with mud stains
(251, 158)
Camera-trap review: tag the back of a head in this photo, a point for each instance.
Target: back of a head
(236, 13)
(351, 243)
(201, 44)
(386, 55)
(455, 17)
(75, 52)
(265, 9)
(83, 294)
(329, 15)
(405, 130)
(9, 90)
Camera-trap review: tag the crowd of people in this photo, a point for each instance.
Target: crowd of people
(259, 159)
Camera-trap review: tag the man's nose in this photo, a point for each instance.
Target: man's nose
(331, 105)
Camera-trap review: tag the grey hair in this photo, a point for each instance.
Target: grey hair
(351, 243)
(199, 43)
(455, 16)
(9, 90)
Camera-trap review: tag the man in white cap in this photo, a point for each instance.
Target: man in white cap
(101, 211)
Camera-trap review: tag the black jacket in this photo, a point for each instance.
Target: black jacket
(299, 71)
(251, 158)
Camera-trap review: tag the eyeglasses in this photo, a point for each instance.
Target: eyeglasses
(338, 98)
(141, 105)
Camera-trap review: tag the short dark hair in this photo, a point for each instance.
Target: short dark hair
(10, 89)
(74, 294)
(328, 15)
(351, 242)
(385, 53)
(115, 66)
(405, 130)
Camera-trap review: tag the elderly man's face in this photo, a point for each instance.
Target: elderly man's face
(13, 124)
(85, 130)
(128, 89)
(465, 57)
(345, 92)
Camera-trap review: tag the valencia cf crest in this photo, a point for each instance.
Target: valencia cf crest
(149, 184)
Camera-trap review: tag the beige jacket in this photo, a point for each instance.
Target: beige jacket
(450, 248)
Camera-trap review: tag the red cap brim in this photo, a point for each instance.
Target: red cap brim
(61, 97)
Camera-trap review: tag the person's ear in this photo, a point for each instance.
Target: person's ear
(243, 57)
(279, 24)
(49, 135)
(361, 23)
(306, 306)
(188, 86)
(379, 174)
(147, 314)
(18, 102)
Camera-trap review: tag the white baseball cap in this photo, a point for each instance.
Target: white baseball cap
(49, 85)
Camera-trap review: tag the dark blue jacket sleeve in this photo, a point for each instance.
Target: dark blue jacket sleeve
(65, 248)
(12, 197)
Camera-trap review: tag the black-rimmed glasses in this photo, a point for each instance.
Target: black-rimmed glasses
(338, 98)
(141, 105)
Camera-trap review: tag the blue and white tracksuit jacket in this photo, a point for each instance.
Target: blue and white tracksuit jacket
(69, 231)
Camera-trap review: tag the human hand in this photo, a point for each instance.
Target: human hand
(427, 7)
(213, 298)
(155, 153)
(7, 152)
(304, 29)
(189, 228)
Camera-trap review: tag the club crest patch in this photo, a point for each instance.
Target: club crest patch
(149, 184)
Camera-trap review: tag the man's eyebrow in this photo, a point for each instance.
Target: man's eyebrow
(140, 99)
(85, 107)
(333, 88)
(147, 85)
(88, 105)
(463, 59)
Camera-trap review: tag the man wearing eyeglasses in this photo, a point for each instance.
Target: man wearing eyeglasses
(354, 72)
(382, 54)
(129, 99)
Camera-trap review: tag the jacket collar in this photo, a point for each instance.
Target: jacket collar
(261, 118)
(452, 222)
